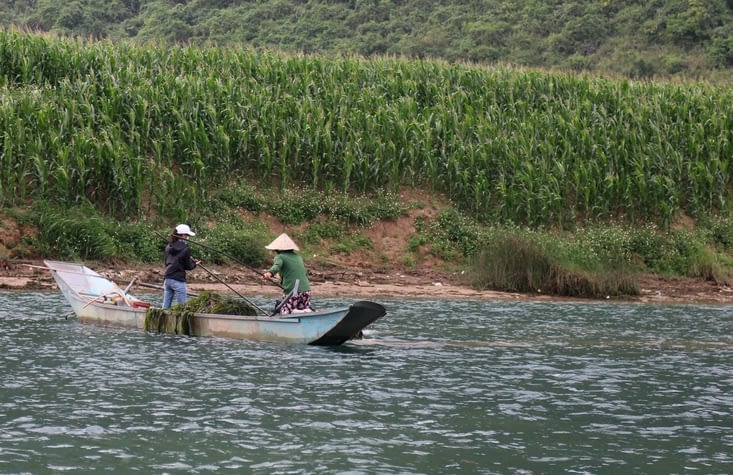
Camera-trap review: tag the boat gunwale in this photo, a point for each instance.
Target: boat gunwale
(290, 318)
(124, 314)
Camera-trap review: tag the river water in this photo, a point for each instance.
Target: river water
(436, 387)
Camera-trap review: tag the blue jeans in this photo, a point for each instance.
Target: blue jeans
(173, 288)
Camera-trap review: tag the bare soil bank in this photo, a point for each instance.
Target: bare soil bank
(361, 282)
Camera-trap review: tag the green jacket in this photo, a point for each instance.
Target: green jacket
(290, 267)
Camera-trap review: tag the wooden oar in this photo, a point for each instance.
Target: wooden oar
(154, 286)
(160, 287)
(129, 285)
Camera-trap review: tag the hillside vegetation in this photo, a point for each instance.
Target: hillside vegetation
(137, 130)
(652, 38)
(102, 143)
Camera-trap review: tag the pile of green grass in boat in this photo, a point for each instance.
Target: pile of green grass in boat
(177, 319)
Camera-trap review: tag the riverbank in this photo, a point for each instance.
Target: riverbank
(362, 283)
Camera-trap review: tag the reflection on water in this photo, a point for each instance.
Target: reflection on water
(434, 387)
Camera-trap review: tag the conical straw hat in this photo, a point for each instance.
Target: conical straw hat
(282, 243)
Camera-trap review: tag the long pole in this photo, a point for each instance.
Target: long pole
(227, 256)
(96, 276)
(230, 288)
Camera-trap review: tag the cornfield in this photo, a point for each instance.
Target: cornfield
(156, 129)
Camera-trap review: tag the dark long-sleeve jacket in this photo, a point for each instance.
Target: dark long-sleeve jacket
(178, 260)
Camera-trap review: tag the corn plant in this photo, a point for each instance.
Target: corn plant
(153, 128)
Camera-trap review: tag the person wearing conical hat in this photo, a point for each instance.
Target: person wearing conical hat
(291, 269)
(178, 260)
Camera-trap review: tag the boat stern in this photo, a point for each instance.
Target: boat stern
(360, 315)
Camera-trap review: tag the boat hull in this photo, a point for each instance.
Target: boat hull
(88, 294)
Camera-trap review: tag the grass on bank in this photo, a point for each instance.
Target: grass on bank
(596, 260)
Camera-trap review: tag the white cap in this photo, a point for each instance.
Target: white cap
(282, 243)
(184, 229)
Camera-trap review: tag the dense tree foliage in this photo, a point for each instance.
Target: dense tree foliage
(690, 38)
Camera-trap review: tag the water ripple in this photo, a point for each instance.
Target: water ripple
(435, 387)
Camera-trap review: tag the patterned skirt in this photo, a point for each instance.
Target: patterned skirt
(298, 302)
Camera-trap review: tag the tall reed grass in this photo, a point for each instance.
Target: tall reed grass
(157, 129)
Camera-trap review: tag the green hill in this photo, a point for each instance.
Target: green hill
(632, 38)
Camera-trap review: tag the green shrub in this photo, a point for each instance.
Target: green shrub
(606, 243)
(137, 242)
(293, 207)
(73, 234)
(720, 231)
(322, 230)
(242, 196)
(525, 261)
(451, 235)
(688, 256)
(649, 246)
(363, 210)
(351, 243)
(416, 241)
(234, 244)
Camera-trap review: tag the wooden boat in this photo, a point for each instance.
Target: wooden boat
(98, 300)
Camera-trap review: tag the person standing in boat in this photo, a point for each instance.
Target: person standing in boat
(178, 260)
(293, 276)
